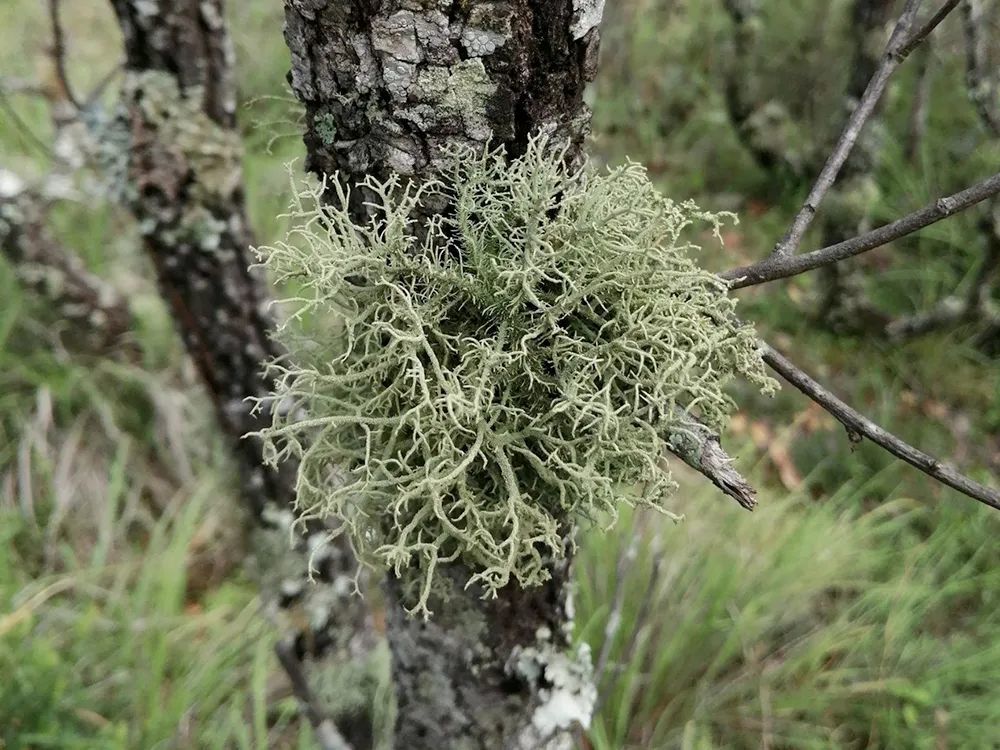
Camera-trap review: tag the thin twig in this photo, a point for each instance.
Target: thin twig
(59, 53)
(326, 731)
(828, 175)
(781, 267)
(859, 426)
(924, 31)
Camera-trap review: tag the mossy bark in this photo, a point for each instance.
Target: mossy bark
(389, 87)
(185, 186)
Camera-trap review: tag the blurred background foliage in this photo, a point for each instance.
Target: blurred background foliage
(858, 607)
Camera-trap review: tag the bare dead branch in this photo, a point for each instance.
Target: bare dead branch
(700, 448)
(782, 266)
(891, 59)
(859, 426)
(982, 89)
(924, 31)
(327, 734)
(98, 313)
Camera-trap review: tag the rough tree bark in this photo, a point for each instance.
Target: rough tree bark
(388, 87)
(185, 186)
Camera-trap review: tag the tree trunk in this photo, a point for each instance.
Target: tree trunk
(389, 87)
(185, 186)
(186, 189)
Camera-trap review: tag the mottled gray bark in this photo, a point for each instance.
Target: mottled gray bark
(185, 187)
(389, 87)
(489, 673)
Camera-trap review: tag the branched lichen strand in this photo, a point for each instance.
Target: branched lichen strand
(518, 365)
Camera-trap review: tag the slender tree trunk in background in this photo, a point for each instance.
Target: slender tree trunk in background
(186, 189)
(388, 87)
(983, 82)
(185, 186)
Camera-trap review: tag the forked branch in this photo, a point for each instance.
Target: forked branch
(900, 45)
(917, 37)
(782, 266)
(859, 426)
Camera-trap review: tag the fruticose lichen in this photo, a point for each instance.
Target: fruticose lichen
(464, 388)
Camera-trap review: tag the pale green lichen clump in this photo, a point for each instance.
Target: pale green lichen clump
(468, 387)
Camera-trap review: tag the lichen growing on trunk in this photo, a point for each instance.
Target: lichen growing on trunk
(480, 380)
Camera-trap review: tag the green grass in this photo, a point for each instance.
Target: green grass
(115, 653)
(808, 627)
(857, 609)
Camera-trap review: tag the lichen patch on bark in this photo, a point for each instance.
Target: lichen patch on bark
(564, 684)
